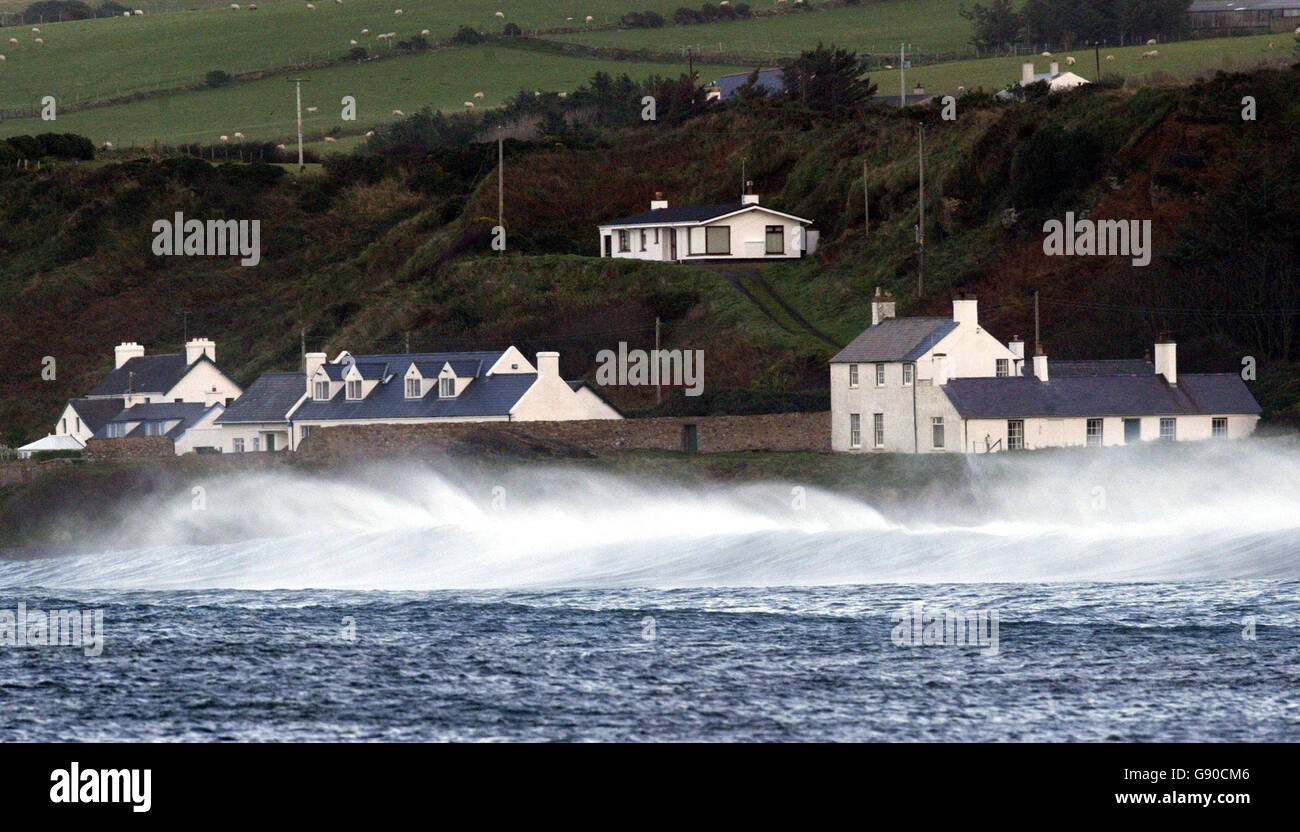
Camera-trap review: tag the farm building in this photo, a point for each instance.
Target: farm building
(942, 385)
(1242, 16)
(768, 81)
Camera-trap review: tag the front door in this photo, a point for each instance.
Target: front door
(606, 239)
(672, 242)
(270, 441)
(1132, 430)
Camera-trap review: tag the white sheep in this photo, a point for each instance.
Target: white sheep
(424, 32)
(369, 133)
(40, 41)
(126, 14)
(1297, 31)
(478, 95)
(1270, 45)
(252, 7)
(1047, 54)
(108, 145)
(138, 12)
(500, 15)
(564, 95)
(279, 147)
(1151, 42)
(589, 19)
(398, 113)
(398, 12)
(365, 31)
(13, 41)
(3, 58)
(1110, 59)
(469, 105)
(961, 89)
(239, 135)
(313, 109)
(352, 42)
(35, 30)
(234, 6)
(311, 7)
(1152, 54)
(225, 138)
(329, 138)
(1069, 61)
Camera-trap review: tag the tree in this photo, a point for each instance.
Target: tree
(828, 78)
(994, 26)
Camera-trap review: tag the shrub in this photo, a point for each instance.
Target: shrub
(217, 78)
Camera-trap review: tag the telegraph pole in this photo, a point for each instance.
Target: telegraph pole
(866, 203)
(297, 82)
(501, 182)
(658, 379)
(920, 229)
(902, 75)
(1038, 346)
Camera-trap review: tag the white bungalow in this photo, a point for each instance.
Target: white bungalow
(742, 230)
(935, 385)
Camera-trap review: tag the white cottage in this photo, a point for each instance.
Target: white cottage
(937, 385)
(742, 230)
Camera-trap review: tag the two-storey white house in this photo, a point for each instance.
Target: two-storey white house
(935, 385)
(742, 230)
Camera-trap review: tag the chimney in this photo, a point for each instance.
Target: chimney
(1040, 367)
(199, 347)
(1026, 73)
(749, 197)
(1055, 69)
(548, 365)
(1167, 358)
(940, 369)
(1017, 347)
(658, 203)
(312, 362)
(125, 351)
(965, 310)
(918, 90)
(882, 306)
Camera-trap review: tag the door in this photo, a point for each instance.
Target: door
(270, 441)
(606, 239)
(1132, 430)
(672, 243)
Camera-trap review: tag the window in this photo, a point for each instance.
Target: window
(907, 375)
(853, 375)
(936, 431)
(1219, 426)
(1004, 367)
(116, 430)
(775, 239)
(656, 236)
(855, 430)
(880, 375)
(354, 389)
(306, 431)
(78, 423)
(1169, 429)
(1094, 432)
(643, 235)
(622, 241)
(878, 429)
(713, 239)
(178, 401)
(257, 444)
(237, 445)
(322, 391)
(412, 388)
(448, 388)
(63, 426)
(1016, 434)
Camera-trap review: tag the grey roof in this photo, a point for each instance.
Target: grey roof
(372, 370)
(896, 339)
(692, 213)
(187, 412)
(95, 413)
(485, 396)
(1086, 395)
(268, 399)
(772, 80)
(1241, 5)
(145, 374)
(1104, 367)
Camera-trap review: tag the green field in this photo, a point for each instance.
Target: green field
(264, 110)
(92, 59)
(930, 26)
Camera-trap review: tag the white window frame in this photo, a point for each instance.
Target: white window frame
(1218, 427)
(623, 243)
(937, 437)
(880, 375)
(855, 430)
(353, 393)
(853, 376)
(1002, 369)
(237, 445)
(878, 430)
(1095, 439)
(1172, 423)
(322, 392)
(1015, 439)
(908, 373)
(413, 387)
(447, 387)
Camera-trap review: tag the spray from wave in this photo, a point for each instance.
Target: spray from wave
(1208, 511)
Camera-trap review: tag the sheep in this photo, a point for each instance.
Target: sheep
(352, 42)
(590, 19)
(311, 7)
(500, 15)
(1152, 54)
(239, 135)
(398, 12)
(478, 95)
(961, 89)
(3, 58)
(234, 6)
(138, 12)
(1047, 54)
(13, 41)
(564, 95)
(279, 147)
(398, 113)
(329, 138)
(252, 7)
(469, 105)
(424, 33)
(1110, 59)
(313, 109)
(1270, 45)
(225, 138)
(1069, 60)
(126, 14)
(108, 145)
(365, 31)
(1297, 31)
(40, 41)
(1151, 42)
(35, 31)
(369, 133)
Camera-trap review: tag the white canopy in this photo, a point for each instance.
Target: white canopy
(53, 442)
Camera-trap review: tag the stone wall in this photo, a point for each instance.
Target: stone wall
(715, 434)
(135, 447)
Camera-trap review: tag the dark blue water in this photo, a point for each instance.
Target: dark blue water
(1099, 661)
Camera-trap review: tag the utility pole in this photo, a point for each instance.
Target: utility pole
(408, 342)
(1096, 51)
(658, 380)
(866, 203)
(920, 229)
(1038, 345)
(902, 75)
(501, 182)
(298, 89)
(185, 326)
(302, 345)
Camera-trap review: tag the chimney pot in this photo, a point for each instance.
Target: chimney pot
(1040, 366)
(196, 348)
(1167, 358)
(882, 306)
(965, 310)
(125, 351)
(1027, 73)
(548, 365)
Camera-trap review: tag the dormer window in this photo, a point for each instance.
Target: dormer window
(354, 390)
(322, 391)
(413, 388)
(447, 388)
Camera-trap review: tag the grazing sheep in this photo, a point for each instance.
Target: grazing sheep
(365, 31)
(352, 42)
(234, 6)
(590, 19)
(1047, 54)
(252, 7)
(311, 7)
(1151, 42)
(138, 12)
(3, 58)
(40, 41)
(469, 105)
(279, 147)
(1110, 58)
(424, 33)
(564, 95)
(329, 138)
(35, 31)
(239, 135)
(1152, 54)
(1270, 45)
(126, 14)
(1069, 61)
(225, 138)
(313, 109)
(1297, 31)
(369, 133)
(500, 15)
(398, 12)
(478, 95)
(13, 41)
(961, 89)
(398, 113)
(108, 145)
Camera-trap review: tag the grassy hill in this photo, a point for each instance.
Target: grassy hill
(376, 249)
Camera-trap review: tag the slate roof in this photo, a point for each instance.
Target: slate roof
(772, 80)
(188, 413)
(690, 213)
(896, 339)
(485, 396)
(95, 413)
(1104, 367)
(1241, 5)
(266, 400)
(1212, 394)
(145, 374)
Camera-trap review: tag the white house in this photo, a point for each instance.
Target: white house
(259, 419)
(742, 230)
(414, 388)
(173, 379)
(936, 385)
(1057, 81)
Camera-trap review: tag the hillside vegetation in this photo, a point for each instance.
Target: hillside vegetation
(379, 248)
